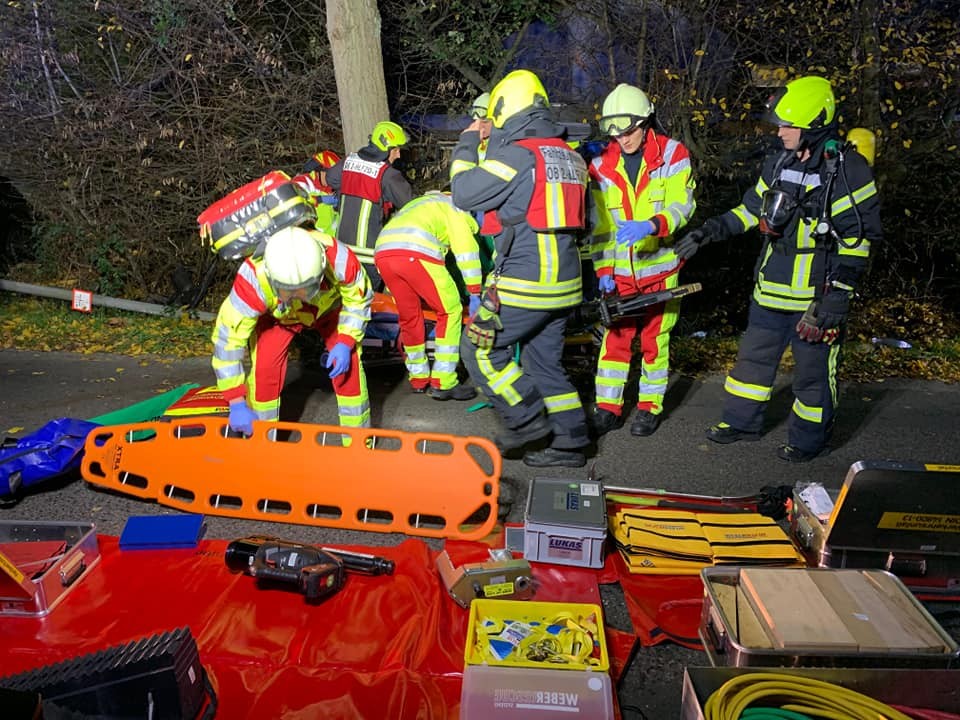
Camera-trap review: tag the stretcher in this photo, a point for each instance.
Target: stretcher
(431, 485)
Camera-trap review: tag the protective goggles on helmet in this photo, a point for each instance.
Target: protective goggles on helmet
(304, 291)
(615, 125)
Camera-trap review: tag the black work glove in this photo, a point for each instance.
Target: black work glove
(483, 328)
(772, 501)
(821, 321)
(711, 231)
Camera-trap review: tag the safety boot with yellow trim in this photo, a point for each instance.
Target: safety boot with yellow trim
(725, 434)
(793, 454)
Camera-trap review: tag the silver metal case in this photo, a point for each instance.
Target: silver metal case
(720, 637)
(899, 517)
(46, 582)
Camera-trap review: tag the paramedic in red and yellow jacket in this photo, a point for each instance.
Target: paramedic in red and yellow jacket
(642, 193)
(411, 255)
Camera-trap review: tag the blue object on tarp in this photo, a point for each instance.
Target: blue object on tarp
(54, 449)
(156, 532)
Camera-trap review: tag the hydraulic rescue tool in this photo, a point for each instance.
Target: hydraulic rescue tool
(316, 573)
(606, 311)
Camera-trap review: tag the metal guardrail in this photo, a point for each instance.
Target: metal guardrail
(104, 301)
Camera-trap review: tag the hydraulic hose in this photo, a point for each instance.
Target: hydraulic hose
(797, 696)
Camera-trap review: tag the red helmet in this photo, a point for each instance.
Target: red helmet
(321, 161)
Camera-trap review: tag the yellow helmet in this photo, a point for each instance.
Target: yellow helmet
(388, 135)
(478, 110)
(805, 103)
(623, 109)
(519, 91)
(865, 142)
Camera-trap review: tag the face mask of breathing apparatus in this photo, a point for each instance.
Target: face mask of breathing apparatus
(776, 210)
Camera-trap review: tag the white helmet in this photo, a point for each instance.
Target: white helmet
(294, 260)
(478, 111)
(625, 108)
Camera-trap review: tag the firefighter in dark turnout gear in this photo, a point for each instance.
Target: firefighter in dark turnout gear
(370, 190)
(531, 187)
(817, 208)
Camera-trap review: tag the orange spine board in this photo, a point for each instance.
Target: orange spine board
(432, 485)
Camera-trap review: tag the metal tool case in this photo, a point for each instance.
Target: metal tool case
(44, 581)
(900, 517)
(721, 637)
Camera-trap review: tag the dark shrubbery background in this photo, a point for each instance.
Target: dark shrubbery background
(124, 120)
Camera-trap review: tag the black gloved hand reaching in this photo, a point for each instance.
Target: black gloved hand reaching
(711, 231)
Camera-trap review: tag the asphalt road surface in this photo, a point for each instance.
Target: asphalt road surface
(893, 420)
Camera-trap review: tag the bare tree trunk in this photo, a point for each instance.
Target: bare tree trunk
(608, 34)
(870, 90)
(353, 27)
(642, 78)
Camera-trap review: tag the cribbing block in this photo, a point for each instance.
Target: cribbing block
(161, 672)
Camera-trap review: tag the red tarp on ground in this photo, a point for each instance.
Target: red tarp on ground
(387, 646)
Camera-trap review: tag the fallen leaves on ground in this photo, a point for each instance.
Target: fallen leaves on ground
(47, 325)
(40, 324)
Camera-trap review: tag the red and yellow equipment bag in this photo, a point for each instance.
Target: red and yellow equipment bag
(237, 225)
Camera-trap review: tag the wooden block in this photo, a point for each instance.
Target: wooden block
(752, 632)
(745, 627)
(897, 596)
(793, 611)
(873, 622)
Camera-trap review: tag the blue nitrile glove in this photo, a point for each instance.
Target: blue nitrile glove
(632, 231)
(607, 284)
(338, 359)
(474, 304)
(329, 199)
(241, 417)
(591, 148)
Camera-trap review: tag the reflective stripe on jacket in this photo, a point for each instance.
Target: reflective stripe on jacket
(538, 270)
(795, 265)
(344, 286)
(430, 227)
